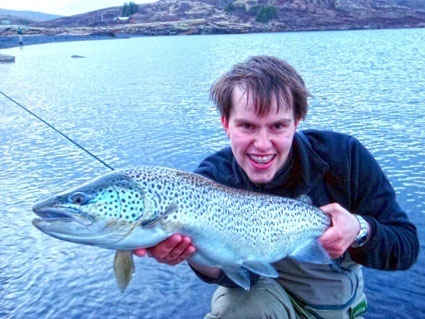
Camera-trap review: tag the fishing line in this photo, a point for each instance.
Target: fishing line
(57, 131)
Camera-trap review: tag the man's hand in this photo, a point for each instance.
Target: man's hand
(340, 236)
(171, 251)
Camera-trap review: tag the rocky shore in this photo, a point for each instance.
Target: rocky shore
(172, 17)
(13, 41)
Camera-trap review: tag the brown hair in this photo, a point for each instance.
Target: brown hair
(263, 76)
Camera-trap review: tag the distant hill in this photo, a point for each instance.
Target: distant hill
(26, 16)
(241, 16)
(185, 17)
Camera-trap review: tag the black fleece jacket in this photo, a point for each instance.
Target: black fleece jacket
(332, 167)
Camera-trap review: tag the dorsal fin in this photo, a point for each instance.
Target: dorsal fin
(305, 199)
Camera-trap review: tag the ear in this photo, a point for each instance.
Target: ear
(225, 124)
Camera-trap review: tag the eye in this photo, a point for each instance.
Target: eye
(280, 126)
(78, 198)
(246, 126)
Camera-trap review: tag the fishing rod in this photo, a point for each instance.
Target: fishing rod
(57, 131)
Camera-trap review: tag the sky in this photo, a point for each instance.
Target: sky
(63, 7)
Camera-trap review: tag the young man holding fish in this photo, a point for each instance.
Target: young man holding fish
(261, 102)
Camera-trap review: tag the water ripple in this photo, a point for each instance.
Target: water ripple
(157, 112)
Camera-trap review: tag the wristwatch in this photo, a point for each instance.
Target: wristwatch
(361, 237)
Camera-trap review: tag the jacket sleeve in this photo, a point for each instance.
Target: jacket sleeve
(394, 243)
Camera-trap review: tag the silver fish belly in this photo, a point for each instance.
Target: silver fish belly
(235, 230)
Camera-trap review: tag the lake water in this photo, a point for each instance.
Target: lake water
(145, 101)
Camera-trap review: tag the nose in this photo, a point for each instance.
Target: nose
(262, 140)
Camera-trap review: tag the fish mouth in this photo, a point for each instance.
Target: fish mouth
(61, 214)
(73, 225)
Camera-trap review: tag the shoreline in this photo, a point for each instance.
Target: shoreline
(8, 42)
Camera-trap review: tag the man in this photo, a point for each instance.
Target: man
(261, 102)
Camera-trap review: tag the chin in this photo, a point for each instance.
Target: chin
(260, 179)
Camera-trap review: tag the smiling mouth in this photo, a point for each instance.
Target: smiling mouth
(262, 160)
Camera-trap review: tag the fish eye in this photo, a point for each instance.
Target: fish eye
(78, 198)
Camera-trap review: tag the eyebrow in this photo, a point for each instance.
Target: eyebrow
(279, 121)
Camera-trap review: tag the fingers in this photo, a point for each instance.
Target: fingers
(332, 209)
(178, 249)
(333, 243)
(171, 251)
(140, 252)
(181, 251)
(338, 238)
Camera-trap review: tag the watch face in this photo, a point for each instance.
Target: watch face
(361, 237)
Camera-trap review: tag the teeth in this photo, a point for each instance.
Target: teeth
(261, 159)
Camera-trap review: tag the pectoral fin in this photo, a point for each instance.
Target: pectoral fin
(156, 218)
(123, 268)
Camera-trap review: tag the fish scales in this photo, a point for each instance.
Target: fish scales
(232, 229)
(254, 219)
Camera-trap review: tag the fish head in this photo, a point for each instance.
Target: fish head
(101, 212)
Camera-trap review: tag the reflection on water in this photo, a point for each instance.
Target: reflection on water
(145, 101)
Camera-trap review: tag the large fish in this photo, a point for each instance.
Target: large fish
(232, 229)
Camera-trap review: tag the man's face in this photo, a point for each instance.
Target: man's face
(260, 144)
